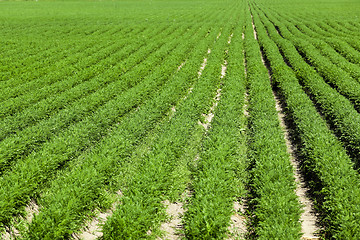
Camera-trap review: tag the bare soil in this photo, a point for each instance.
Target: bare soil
(180, 66)
(237, 227)
(31, 210)
(203, 65)
(175, 211)
(230, 37)
(93, 228)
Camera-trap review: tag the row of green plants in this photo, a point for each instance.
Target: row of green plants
(70, 56)
(70, 60)
(325, 26)
(334, 75)
(69, 75)
(328, 51)
(327, 47)
(336, 109)
(344, 27)
(329, 171)
(69, 90)
(44, 57)
(218, 179)
(331, 73)
(33, 137)
(64, 209)
(35, 170)
(20, 85)
(345, 45)
(136, 124)
(162, 172)
(52, 104)
(274, 207)
(17, 54)
(85, 82)
(37, 40)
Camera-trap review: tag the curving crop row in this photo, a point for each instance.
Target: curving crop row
(336, 26)
(325, 44)
(344, 26)
(325, 26)
(347, 47)
(328, 51)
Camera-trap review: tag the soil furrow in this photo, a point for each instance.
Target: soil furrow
(93, 228)
(237, 228)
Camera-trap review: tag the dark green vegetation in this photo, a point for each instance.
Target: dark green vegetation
(125, 105)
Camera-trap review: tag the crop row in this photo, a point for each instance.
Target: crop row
(219, 176)
(86, 132)
(17, 52)
(127, 135)
(45, 61)
(326, 50)
(58, 81)
(338, 110)
(92, 82)
(96, 168)
(336, 50)
(41, 165)
(344, 27)
(274, 204)
(162, 171)
(113, 106)
(334, 75)
(334, 182)
(54, 62)
(21, 144)
(22, 55)
(33, 78)
(347, 46)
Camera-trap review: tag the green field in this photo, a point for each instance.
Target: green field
(114, 112)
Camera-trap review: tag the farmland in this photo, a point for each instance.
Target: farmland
(161, 119)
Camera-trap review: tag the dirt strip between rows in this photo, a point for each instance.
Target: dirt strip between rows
(31, 210)
(93, 229)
